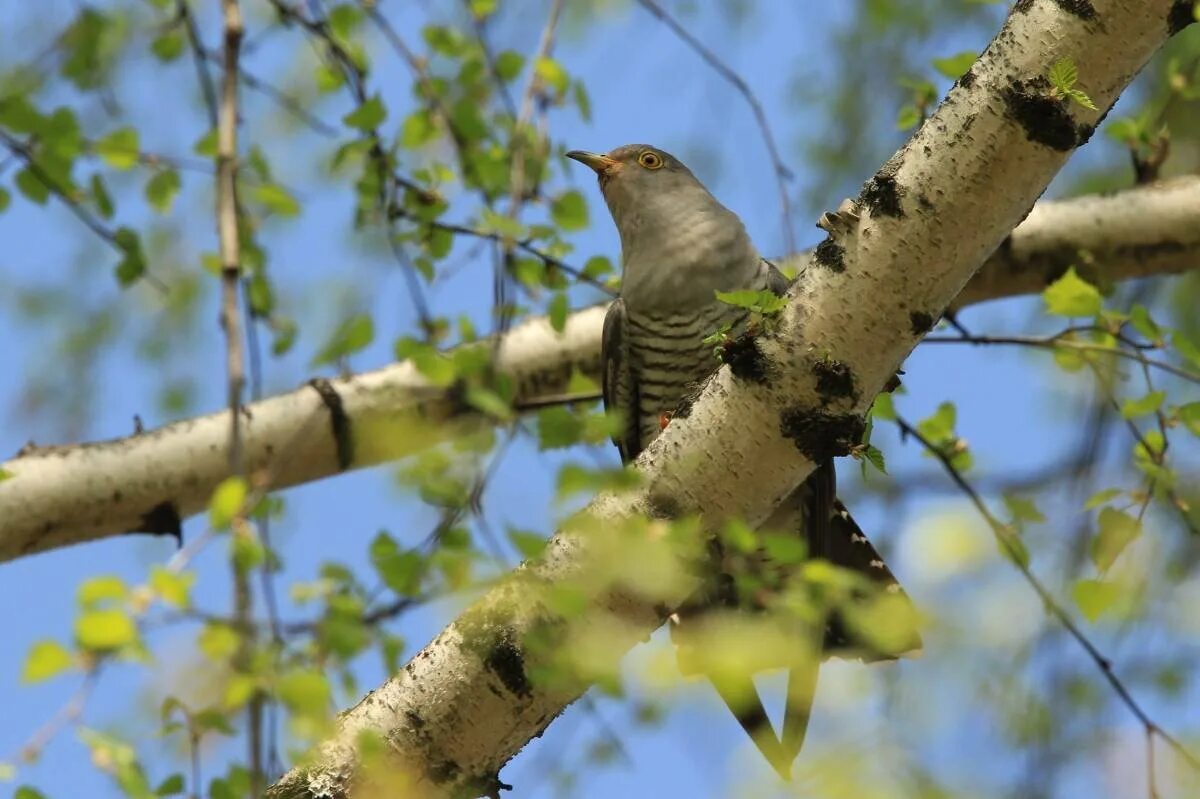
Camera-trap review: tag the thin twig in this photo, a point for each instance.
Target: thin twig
(1059, 340)
(287, 102)
(1015, 551)
(231, 273)
(525, 245)
(489, 59)
(68, 714)
(183, 12)
(782, 173)
(22, 151)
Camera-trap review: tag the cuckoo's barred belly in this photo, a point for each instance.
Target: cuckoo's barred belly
(670, 355)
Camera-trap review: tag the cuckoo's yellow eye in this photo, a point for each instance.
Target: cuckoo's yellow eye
(650, 159)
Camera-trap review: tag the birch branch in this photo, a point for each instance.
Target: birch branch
(147, 482)
(464, 705)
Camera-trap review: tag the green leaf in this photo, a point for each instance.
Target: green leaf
(765, 302)
(275, 198)
(489, 402)
(305, 692)
(583, 101)
(1081, 98)
(558, 311)
(400, 570)
(955, 66)
(1072, 296)
(1023, 509)
(5, 199)
(1117, 531)
(569, 211)
(1094, 598)
(509, 65)
(1101, 497)
(206, 145)
(172, 785)
(218, 641)
(367, 116)
(908, 117)
(1142, 322)
(939, 426)
(228, 500)
(104, 588)
(418, 130)
(558, 427)
(573, 479)
(874, 456)
(24, 791)
(355, 334)
(1190, 416)
(101, 197)
(46, 659)
(32, 186)
(1133, 408)
(174, 588)
(551, 73)
(884, 408)
(482, 8)
(133, 263)
(119, 149)
(1064, 75)
(529, 545)
(104, 630)
(168, 46)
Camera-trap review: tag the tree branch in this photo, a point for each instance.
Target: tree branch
(149, 481)
(472, 698)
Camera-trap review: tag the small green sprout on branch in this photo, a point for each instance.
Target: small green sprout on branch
(1063, 77)
(764, 306)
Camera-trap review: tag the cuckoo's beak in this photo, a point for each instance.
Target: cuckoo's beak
(598, 162)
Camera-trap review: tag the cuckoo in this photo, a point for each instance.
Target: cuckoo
(679, 246)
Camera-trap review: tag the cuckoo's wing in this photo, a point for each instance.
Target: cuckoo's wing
(776, 281)
(619, 385)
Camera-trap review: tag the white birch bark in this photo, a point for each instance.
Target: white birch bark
(72, 494)
(467, 702)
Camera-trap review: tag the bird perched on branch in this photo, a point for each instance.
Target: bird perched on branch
(679, 247)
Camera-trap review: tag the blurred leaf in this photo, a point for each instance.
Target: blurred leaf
(1117, 531)
(1190, 416)
(305, 692)
(46, 659)
(32, 187)
(400, 570)
(509, 65)
(103, 630)
(1142, 322)
(355, 334)
(101, 197)
(367, 116)
(551, 73)
(1094, 598)
(569, 211)
(5, 198)
(1101, 497)
(765, 302)
(1072, 296)
(103, 588)
(529, 545)
(119, 149)
(228, 500)
(161, 189)
(168, 46)
(174, 588)
(418, 130)
(558, 311)
(133, 261)
(1132, 409)
(218, 641)
(275, 198)
(955, 66)
(171, 786)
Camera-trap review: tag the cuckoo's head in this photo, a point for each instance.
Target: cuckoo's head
(639, 179)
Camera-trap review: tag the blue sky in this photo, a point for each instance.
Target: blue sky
(645, 86)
